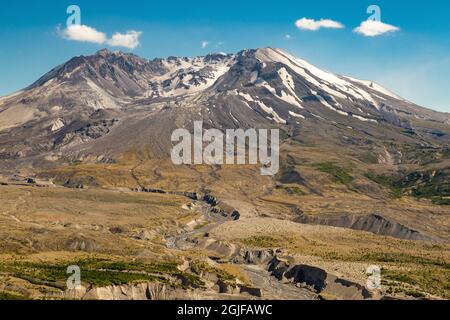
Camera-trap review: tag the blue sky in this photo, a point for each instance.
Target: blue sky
(413, 61)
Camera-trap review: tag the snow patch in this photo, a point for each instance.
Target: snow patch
(326, 104)
(261, 104)
(292, 100)
(186, 76)
(376, 87)
(317, 77)
(288, 82)
(233, 117)
(364, 119)
(269, 110)
(296, 115)
(57, 124)
(247, 97)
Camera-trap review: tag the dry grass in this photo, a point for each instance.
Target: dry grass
(40, 223)
(348, 253)
(35, 219)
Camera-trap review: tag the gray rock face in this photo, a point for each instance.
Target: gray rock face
(139, 292)
(255, 257)
(319, 280)
(373, 223)
(80, 243)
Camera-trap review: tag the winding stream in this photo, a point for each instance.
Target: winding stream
(271, 288)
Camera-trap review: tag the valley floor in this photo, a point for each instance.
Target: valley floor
(137, 245)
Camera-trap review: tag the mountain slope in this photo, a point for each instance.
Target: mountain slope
(102, 104)
(363, 177)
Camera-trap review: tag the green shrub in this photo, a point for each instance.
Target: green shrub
(338, 174)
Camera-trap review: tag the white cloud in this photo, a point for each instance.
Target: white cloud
(314, 25)
(128, 40)
(84, 34)
(373, 28)
(205, 44)
(287, 37)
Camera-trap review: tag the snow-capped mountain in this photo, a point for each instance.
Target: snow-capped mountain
(105, 103)
(110, 80)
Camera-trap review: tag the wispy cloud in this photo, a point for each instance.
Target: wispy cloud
(287, 37)
(373, 28)
(128, 40)
(205, 44)
(314, 25)
(83, 33)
